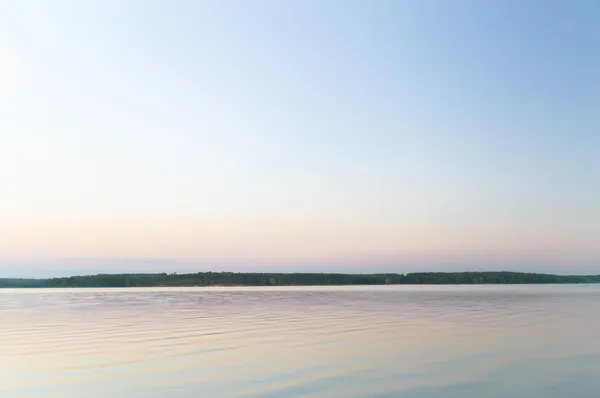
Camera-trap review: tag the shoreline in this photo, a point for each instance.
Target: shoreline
(256, 279)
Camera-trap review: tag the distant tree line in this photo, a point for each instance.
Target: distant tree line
(295, 279)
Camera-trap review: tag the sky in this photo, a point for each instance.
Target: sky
(299, 135)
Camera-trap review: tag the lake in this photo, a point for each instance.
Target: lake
(318, 342)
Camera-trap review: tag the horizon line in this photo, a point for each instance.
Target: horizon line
(305, 273)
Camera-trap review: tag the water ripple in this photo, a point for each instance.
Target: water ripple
(318, 342)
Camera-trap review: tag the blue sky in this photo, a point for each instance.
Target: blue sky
(397, 135)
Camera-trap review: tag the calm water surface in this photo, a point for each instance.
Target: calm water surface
(452, 341)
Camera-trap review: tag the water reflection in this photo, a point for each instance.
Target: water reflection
(409, 341)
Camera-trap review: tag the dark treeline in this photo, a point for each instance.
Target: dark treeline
(295, 279)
